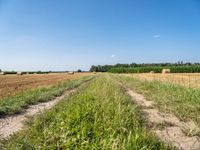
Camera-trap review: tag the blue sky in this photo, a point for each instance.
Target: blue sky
(72, 34)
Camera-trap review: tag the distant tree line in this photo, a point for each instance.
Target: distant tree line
(27, 72)
(37, 72)
(179, 67)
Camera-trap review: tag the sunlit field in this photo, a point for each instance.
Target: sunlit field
(184, 79)
(12, 84)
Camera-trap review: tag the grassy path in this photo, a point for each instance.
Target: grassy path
(184, 102)
(99, 115)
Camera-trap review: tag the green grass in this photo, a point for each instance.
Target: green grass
(16, 104)
(99, 115)
(184, 102)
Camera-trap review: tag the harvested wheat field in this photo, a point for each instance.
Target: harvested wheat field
(184, 79)
(12, 84)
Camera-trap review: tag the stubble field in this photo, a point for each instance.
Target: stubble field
(183, 79)
(12, 84)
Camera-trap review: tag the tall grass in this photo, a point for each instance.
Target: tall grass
(15, 104)
(184, 102)
(99, 116)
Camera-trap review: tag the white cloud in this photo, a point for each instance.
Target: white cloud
(156, 35)
(112, 56)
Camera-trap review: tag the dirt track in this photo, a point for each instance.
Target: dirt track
(173, 131)
(13, 124)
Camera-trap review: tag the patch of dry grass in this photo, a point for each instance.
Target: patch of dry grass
(183, 79)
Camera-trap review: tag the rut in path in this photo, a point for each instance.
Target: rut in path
(12, 124)
(15, 123)
(174, 131)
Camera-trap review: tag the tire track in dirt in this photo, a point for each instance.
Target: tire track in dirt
(167, 126)
(15, 123)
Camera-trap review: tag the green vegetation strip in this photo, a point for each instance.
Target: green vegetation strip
(157, 69)
(184, 102)
(179, 67)
(98, 116)
(15, 104)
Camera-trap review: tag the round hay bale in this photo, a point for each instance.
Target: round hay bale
(71, 73)
(19, 73)
(2, 73)
(151, 72)
(165, 71)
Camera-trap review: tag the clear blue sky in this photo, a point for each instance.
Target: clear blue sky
(72, 34)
